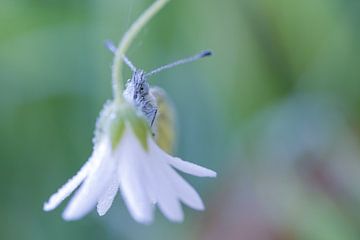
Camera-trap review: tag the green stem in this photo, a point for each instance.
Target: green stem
(125, 44)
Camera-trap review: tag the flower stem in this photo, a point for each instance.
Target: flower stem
(125, 43)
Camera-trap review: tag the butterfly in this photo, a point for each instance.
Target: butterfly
(152, 101)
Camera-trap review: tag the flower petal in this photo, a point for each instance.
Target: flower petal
(190, 168)
(68, 187)
(165, 193)
(186, 167)
(156, 169)
(131, 177)
(107, 199)
(185, 192)
(94, 185)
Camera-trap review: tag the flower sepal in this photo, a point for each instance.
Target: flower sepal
(113, 120)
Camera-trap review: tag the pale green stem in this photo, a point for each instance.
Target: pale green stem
(125, 44)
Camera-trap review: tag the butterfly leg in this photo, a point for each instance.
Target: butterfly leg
(154, 117)
(153, 120)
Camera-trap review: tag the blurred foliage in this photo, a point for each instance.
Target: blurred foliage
(275, 112)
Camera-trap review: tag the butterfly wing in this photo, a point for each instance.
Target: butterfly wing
(164, 124)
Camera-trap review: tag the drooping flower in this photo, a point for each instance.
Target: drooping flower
(126, 158)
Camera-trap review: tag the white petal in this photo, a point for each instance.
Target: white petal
(131, 176)
(186, 167)
(190, 168)
(157, 170)
(107, 198)
(185, 191)
(165, 193)
(94, 185)
(68, 187)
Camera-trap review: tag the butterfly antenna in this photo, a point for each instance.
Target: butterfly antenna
(111, 46)
(179, 62)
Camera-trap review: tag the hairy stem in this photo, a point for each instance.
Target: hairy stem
(125, 43)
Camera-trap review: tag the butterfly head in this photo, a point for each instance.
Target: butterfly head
(137, 88)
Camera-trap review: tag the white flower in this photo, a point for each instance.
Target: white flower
(144, 174)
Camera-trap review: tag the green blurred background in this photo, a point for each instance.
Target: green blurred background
(275, 112)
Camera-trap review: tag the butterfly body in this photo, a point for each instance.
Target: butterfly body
(137, 92)
(153, 104)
